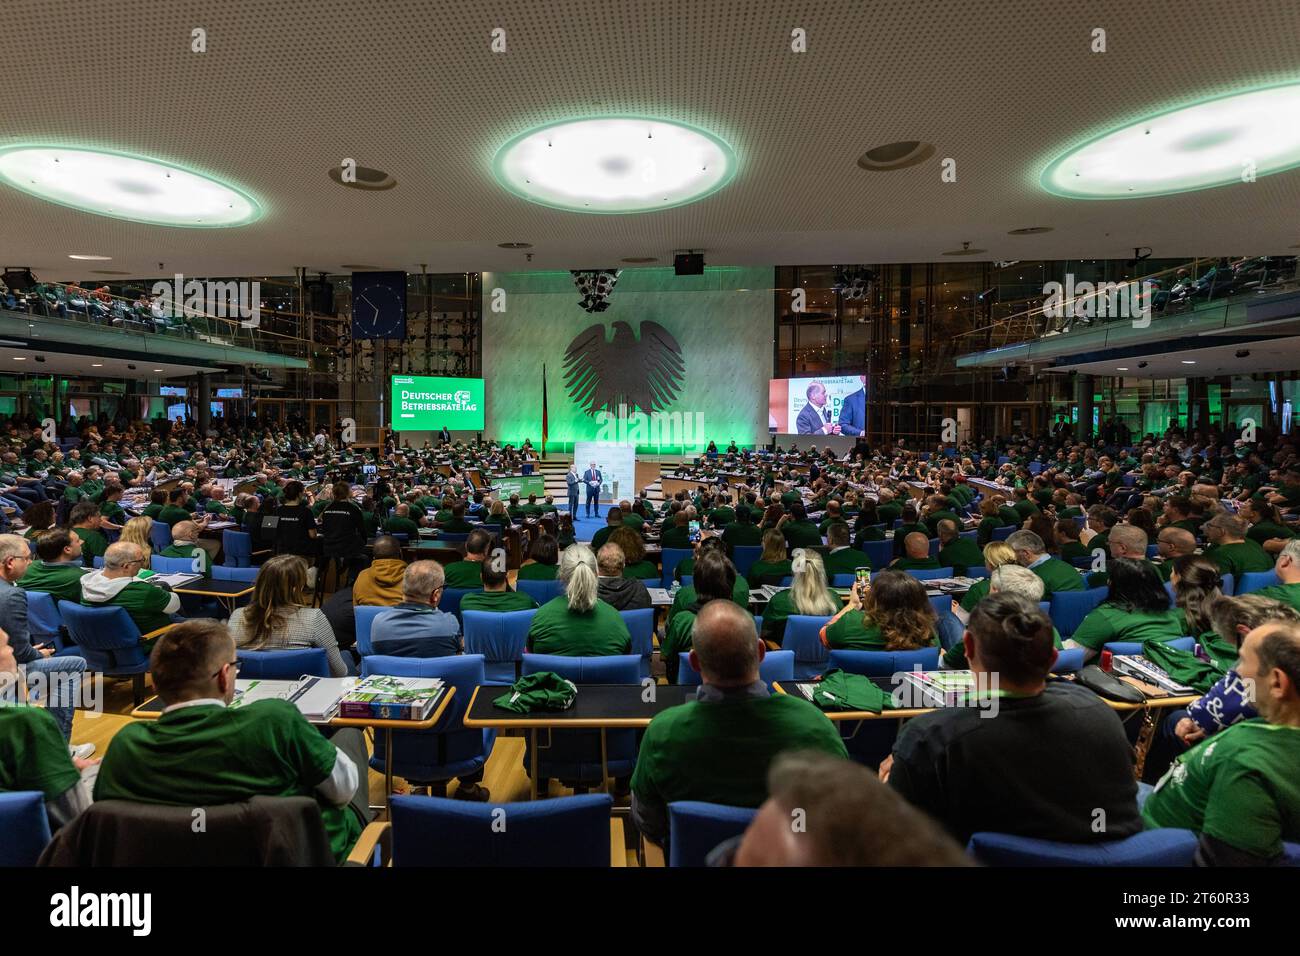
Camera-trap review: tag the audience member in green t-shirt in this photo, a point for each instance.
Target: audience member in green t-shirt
(496, 594)
(184, 757)
(809, 595)
(916, 555)
(84, 521)
(717, 748)
(1136, 609)
(468, 573)
(1231, 550)
(891, 613)
(543, 560)
(578, 623)
(1239, 789)
(772, 565)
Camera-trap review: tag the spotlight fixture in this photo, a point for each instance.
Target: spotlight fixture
(40, 358)
(891, 156)
(18, 280)
(367, 178)
(965, 250)
(854, 283)
(688, 264)
(596, 286)
(123, 186)
(614, 164)
(1243, 353)
(1142, 364)
(1197, 146)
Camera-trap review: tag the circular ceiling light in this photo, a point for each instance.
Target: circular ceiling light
(514, 245)
(91, 258)
(127, 187)
(898, 155)
(367, 178)
(1030, 231)
(1193, 147)
(964, 251)
(614, 164)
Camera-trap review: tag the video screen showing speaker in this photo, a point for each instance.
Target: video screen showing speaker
(430, 403)
(824, 405)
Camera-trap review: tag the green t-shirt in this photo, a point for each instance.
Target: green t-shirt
(686, 597)
(961, 555)
(768, 569)
(645, 570)
(1107, 623)
(497, 601)
(954, 657)
(801, 534)
(152, 511)
(1267, 530)
(600, 632)
(172, 514)
(62, 581)
(93, 542)
(33, 753)
(189, 551)
(855, 632)
(184, 759)
(1240, 557)
(845, 561)
(537, 572)
(464, 574)
(719, 751)
(1056, 575)
(742, 534)
(1286, 593)
(399, 525)
(1239, 786)
(978, 592)
(917, 564)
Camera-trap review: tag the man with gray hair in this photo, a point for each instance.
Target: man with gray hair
(1005, 579)
(1287, 569)
(150, 605)
(718, 747)
(62, 675)
(1231, 550)
(416, 627)
(1124, 541)
(1031, 553)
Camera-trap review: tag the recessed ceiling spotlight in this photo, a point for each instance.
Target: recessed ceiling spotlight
(1189, 362)
(368, 178)
(90, 258)
(1030, 231)
(614, 164)
(514, 245)
(891, 156)
(1122, 368)
(122, 186)
(639, 260)
(20, 358)
(1198, 146)
(157, 370)
(96, 364)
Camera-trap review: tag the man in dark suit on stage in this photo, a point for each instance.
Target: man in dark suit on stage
(574, 483)
(815, 417)
(444, 436)
(853, 413)
(592, 479)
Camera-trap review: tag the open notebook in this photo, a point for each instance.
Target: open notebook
(317, 698)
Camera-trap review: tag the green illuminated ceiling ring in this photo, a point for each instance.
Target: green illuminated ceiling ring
(124, 186)
(614, 164)
(1215, 142)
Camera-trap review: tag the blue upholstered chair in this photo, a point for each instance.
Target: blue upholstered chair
(109, 641)
(775, 666)
(884, 663)
(1166, 847)
(287, 664)
(1257, 580)
(744, 556)
(449, 749)
(567, 831)
(540, 591)
(1135, 647)
(24, 827)
(237, 549)
(1069, 608)
(669, 558)
(803, 637)
(641, 625)
(501, 638)
(695, 828)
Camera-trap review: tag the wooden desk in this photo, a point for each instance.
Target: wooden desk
(600, 707)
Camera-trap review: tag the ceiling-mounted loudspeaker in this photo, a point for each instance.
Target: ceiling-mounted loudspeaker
(688, 264)
(19, 280)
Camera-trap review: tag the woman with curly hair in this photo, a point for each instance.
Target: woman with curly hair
(892, 613)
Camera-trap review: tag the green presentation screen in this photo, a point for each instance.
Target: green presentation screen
(426, 403)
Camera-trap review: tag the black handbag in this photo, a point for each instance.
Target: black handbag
(1109, 686)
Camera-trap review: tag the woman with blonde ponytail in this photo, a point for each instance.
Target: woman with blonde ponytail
(809, 594)
(578, 623)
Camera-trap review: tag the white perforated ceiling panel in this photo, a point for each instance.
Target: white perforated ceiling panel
(291, 87)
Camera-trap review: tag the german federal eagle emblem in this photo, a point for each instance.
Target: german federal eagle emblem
(644, 373)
